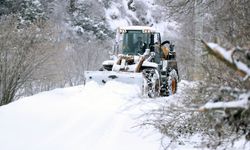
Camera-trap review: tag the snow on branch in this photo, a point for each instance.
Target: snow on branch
(242, 103)
(226, 56)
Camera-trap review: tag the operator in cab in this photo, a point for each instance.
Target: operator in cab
(139, 46)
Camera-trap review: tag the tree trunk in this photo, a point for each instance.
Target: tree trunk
(198, 33)
(72, 5)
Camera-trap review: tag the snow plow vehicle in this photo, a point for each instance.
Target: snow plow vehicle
(139, 57)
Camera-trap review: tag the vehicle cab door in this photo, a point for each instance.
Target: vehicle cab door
(155, 46)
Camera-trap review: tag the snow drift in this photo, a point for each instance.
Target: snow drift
(77, 118)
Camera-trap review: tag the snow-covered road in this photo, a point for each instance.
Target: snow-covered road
(78, 118)
(91, 117)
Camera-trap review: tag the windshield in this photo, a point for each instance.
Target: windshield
(135, 42)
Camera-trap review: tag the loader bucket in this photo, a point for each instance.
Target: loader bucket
(102, 77)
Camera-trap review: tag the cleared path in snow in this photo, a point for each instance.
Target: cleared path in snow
(78, 118)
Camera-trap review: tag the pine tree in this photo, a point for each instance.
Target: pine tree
(31, 11)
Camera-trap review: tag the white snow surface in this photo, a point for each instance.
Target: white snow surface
(90, 117)
(93, 117)
(241, 103)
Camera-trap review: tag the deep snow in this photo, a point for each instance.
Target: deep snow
(91, 117)
(77, 118)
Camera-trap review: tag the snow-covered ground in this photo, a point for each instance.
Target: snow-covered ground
(90, 117)
(77, 118)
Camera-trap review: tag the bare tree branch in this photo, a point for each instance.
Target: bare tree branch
(227, 57)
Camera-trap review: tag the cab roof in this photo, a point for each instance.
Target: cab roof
(142, 28)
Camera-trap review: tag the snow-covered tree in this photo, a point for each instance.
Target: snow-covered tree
(31, 11)
(230, 106)
(88, 16)
(10, 6)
